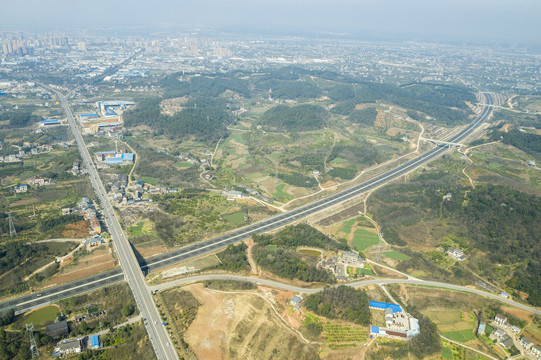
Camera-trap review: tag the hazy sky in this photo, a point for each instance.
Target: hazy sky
(506, 20)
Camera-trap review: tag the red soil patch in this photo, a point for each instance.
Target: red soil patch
(76, 230)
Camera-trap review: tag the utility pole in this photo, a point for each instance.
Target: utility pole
(12, 231)
(33, 346)
(380, 248)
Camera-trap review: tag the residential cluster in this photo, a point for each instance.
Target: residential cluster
(507, 336)
(19, 156)
(338, 264)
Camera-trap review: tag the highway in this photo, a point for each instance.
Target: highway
(132, 272)
(284, 286)
(31, 301)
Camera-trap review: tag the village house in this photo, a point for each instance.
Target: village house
(296, 302)
(233, 194)
(536, 351)
(482, 327)
(22, 188)
(525, 342)
(69, 346)
(457, 254)
(500, 319)
(506, 341)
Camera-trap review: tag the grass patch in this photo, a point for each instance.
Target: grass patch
(310, 252)
(461, 336)
(363, 239)
(149, 180)
(142, 228)
(43, 316)
(235, 218)
(396, 255)
(271, 247)
(183, 164)
(367, 272)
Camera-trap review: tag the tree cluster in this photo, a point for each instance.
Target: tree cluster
(343, 173)
(295, 118)
(366, 116)
(233, 258)
(285, 263)
(203, 118)
(298, 179)
(18, 119)
(204, 86)
(342, 302)
(299, 235)
(528, 142)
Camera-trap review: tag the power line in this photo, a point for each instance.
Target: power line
(33, 346)
(12, 231)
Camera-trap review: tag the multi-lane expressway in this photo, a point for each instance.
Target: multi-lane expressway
(23, 303)
(158, 334)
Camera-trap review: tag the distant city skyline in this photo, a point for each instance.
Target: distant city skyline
(453, 20)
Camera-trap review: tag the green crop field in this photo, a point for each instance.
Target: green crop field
(347, 226)
(461, 336)
(149, 180)
(42, 316)
(363, 239)
(396, 255)
(235, 218)
(280, 193)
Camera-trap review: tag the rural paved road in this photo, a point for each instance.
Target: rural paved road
(284, 286)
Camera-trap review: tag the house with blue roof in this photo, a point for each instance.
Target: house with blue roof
(95, 342)
(383, 306)
(49, 122)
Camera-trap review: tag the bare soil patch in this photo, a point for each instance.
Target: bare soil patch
(97, 261)
(23, 202)
(76, 230)
(521, 314)
(239, 326)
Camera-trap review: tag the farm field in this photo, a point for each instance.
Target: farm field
(363, 239)
(341, 335)
(454, 324)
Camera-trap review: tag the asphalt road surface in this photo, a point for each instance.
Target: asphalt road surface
(284, 286)
(27, 302)
(130, 266)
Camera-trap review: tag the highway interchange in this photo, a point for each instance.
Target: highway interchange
(132, 271)
(26, 302)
